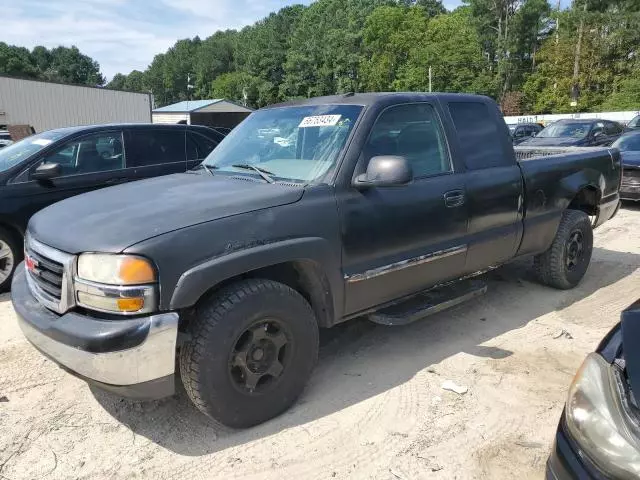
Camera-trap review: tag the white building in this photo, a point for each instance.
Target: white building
(47, 105)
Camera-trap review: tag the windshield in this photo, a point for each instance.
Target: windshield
(635, 123)
(291, 143)
(566, 129)
(628, 143)
(19, 151)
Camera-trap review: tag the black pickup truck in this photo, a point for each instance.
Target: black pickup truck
(307, 215)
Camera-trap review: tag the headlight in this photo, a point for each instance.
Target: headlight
(598, 421)
(122, 284)
(115, 269)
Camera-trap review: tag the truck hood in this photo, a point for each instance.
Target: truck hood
(112, 219)
(630, 159)
(553, 142)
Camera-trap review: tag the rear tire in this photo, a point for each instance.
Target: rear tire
(10, 257)
(565, 263)
(252, 350)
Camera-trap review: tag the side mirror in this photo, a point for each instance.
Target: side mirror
(47, 171)
(386, 171)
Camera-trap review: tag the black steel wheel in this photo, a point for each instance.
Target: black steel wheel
(565, 263)
(260, 356)
(574, 250)
(253, 347)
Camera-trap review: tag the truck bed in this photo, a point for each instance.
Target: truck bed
(531, 153)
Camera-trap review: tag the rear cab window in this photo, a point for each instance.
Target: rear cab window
(476, 126)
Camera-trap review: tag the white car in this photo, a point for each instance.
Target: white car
(5, 139)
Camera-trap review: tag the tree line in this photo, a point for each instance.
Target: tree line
(530, 55)
(60, 64)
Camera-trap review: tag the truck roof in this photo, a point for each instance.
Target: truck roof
(367, 99)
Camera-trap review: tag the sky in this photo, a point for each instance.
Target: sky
(123, 35)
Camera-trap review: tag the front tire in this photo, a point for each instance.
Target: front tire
(565, 263)
(252, 350)
(10, 256)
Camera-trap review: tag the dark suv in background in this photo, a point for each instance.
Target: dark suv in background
(48, 167)
(524, 131)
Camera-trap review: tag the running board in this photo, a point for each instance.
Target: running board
(428, 302)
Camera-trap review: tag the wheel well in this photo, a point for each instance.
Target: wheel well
(17, 234)
(586, 200)
(304, 276)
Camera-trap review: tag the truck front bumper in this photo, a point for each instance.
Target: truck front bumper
(133, 357)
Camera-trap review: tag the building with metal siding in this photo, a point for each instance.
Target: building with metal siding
(46, 105)
(212, 113)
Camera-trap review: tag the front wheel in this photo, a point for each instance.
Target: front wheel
(564, 264)
(10, 256)
(252, 349)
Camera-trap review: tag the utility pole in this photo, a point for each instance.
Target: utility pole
(189, 88)
(575, 89)
(558, 24)
(430, 84)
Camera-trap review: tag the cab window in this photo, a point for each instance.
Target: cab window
(411, 131)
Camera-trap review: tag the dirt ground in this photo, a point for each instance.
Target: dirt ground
(375, 407)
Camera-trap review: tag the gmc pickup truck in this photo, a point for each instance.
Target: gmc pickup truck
(307, 215)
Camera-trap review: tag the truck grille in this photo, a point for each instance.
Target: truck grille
(49, 275)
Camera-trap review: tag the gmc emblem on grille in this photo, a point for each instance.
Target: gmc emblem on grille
(30, 264)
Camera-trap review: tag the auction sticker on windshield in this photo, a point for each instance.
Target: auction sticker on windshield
(42, 142)
(320, 121)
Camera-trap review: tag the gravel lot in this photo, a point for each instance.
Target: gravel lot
(374, 408)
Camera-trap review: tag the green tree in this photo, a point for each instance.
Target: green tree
(61, 64)
(389, 36)
(17, 61)
(262, 50)
(69, 65)
(118, 82)
(431, 7)
(626, 96)
(325, 53)
(214, 56)
(237, 86)
(452, 49)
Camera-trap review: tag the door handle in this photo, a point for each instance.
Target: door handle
(454, 198)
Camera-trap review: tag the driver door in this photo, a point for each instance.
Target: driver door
(400, 240)
(87, 163)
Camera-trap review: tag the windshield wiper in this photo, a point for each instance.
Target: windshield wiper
(208, 169)
(265, 174)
